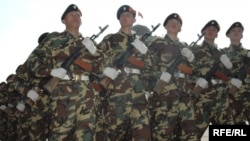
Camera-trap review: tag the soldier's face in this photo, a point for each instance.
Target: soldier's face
(236, 33)
(173, 25)
(73, 19)
(127, 19)
(211, 32)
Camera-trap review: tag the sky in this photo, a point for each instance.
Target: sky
(23, 21)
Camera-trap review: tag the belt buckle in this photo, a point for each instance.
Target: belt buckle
(77, 77)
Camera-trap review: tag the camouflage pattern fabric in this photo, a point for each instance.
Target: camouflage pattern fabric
(12, 98)
(239, 100)
(127, 116)
(3, 114)
(173, 112)
(212, 105)
(72, 101)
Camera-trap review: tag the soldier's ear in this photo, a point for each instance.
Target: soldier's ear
(63, 21)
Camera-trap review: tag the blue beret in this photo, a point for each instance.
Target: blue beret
(70, 8)
(172, 16)
(236, 24)
(213, 23)
(125, 8)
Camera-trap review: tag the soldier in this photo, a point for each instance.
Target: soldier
(211, 65)
(66, 59)
(126, 63)
(239, 56)
(33, 107)
(173, 114)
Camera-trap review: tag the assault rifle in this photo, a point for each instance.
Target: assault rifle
(177, 62)
(119, 62)
(177, 65)
(52, 82)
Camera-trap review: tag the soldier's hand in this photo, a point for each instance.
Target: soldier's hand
(232, 90)
(197, 91)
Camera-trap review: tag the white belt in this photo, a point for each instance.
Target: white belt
(216, 81)
(179, 75)
(77, 77)
(132, 70)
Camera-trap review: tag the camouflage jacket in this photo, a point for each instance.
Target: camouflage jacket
(114, 46)
(166, 52)
(240, 60)
(54, 50)
(208, 56)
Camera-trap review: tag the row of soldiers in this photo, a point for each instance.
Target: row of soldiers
(130, 86)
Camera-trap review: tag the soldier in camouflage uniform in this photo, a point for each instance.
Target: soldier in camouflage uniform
(32, 109)
(211, 66)
(72, 99)
(125, 66)
(12, 98)
(3, 115)
(173, 114)
(240, 58)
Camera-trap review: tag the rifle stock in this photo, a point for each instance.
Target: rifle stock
(52, 82)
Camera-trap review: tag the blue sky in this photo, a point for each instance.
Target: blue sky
(22, 21)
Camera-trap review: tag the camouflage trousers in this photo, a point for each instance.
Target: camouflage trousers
(174, 117)
(127, 117)
(73, 112)
(213, 106)
(240, 104)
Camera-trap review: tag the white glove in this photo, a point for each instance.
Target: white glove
(226, 61)
(188, 54)
(110, 72)
(33, 95)
(140, 46)
(202, 83)
(58, 72)
(165, 76)
(236, 82)
(89, 45)
(3, 107)
(20, 106)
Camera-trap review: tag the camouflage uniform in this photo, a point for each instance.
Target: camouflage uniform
(240, 99)
(173, 106)
(127, 116)
(73, 110)
(212, 104)
(127, 105)
(240, 60)
(12, 98)
(3, 119)
(35, 119)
